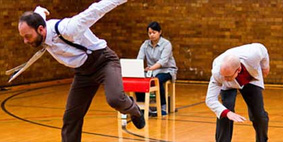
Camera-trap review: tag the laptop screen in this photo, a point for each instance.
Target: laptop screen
(132, 68)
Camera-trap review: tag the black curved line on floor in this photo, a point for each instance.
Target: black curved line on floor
(11, 91)
(29, 96)
(44, 125)
(151, 139)
(190, 105)
(49, 126)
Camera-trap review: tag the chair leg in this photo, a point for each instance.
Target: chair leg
(146, 105)
(167, 83)
(172, 98)
(158, 103)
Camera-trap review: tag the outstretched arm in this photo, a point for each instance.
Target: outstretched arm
(213, 103)
(81, 22)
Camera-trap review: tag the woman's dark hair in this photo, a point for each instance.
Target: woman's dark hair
(154, 25)
(32, 19)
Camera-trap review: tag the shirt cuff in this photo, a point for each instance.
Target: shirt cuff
(224, 113)
(121, 1)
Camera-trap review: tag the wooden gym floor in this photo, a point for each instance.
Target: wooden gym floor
(33, 113)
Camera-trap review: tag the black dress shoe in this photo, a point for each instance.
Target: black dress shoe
(138, 121)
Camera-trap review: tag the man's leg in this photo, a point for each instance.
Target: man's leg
(253, 97)
(78, 102)
(224, 126)
(114, 90)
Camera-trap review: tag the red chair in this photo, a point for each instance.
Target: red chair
(146, 85)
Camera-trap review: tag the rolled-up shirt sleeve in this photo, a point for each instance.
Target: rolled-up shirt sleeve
(141, 53)
(264, 62)
(166, 54)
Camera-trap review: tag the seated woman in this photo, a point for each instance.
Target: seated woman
(159, 57)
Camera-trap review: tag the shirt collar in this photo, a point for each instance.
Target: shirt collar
(159, 42)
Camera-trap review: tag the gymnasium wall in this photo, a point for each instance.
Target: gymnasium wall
(199, 30)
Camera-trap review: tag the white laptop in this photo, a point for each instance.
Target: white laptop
(132, 68)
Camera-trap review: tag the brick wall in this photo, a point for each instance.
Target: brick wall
(198, 29)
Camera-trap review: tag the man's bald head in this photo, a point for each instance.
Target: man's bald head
(229, 66)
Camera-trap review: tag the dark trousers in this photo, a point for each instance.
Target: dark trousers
(162, 77)
(101, 67)
(253, 97)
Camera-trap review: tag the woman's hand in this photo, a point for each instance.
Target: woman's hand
(147, 69)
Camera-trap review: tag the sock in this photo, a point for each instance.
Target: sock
(163, 107)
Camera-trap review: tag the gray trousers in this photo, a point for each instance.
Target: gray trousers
(101, 67)
(253, 97)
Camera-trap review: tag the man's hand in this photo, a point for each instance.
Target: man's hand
(43, 12)
(41, 9)
(235, 117)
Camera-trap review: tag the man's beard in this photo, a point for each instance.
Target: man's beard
(38, 41)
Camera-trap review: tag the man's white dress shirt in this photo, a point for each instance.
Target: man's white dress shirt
(76, 29)
(253, 56)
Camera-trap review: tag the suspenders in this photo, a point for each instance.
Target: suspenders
(88, 51)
